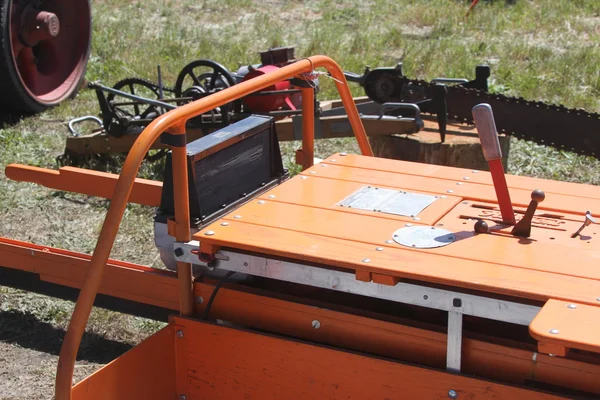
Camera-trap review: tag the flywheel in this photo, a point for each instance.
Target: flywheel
(44, 48)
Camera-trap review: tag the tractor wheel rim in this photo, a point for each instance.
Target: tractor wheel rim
(49, 42)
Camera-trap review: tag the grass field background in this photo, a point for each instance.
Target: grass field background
(541, 50)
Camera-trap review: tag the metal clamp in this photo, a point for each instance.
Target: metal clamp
(79, 120)
(385, 107)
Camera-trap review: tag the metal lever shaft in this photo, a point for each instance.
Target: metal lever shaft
(488, 136)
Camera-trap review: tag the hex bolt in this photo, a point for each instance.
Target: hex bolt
(316, 324)
(179, 334)
(453, 394)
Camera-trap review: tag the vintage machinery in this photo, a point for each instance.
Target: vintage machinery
(454, 98)
(358, 278)
(131, 104)
(44, 48)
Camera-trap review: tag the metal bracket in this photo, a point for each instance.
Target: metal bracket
(439, 299)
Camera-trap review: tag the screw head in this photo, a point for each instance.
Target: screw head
(182, 397)
(554, 331)
(366, 260)
(453, 394)
(225, 223)
(379, 248)
(199, 299)
(303, 177)
(449, 191)
(179, 334)
(408, 224)
(466, 178)
(312, 172)
(474, 171)
(343, 154)
(416, 219)
(572, 306)
(271, 196)
(316, 324)
(459, 183)
(237, 216)
(209, 233)
(261, 202)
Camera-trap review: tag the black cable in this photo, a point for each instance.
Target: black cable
(214, 293)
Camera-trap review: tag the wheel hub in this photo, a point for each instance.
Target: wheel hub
(38, 25)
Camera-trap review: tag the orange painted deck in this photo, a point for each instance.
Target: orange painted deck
(302, 220)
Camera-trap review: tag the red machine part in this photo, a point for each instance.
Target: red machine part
(43, 52)
(266, 103)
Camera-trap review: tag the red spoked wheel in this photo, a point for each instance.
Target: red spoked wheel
(44, 48)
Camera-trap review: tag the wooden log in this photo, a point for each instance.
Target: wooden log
(460, 149)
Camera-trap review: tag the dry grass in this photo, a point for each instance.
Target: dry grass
(546, 50)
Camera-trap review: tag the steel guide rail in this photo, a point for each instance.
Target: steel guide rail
(456, 304)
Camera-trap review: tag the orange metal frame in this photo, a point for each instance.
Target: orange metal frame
(174, 123)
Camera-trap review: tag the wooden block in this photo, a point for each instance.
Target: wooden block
(460, 149)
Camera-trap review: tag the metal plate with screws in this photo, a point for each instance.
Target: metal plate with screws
(388, 201)
(423, 237)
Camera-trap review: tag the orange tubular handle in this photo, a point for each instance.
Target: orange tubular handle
(175, 122)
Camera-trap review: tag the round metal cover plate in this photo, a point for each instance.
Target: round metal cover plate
(423, 237)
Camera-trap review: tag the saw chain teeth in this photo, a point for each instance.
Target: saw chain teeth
(559, 108)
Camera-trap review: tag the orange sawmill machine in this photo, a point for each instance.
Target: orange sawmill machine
(359, 278)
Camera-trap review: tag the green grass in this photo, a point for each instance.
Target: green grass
(543, 50)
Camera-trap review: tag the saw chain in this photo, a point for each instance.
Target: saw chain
(552, 125)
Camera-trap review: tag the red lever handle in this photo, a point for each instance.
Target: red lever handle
(488, 136)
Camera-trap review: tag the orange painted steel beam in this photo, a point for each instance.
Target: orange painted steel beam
(174, 122)
(219, 362)
(85, 181)
(308, 127)
(394, 339)
(152, 286)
